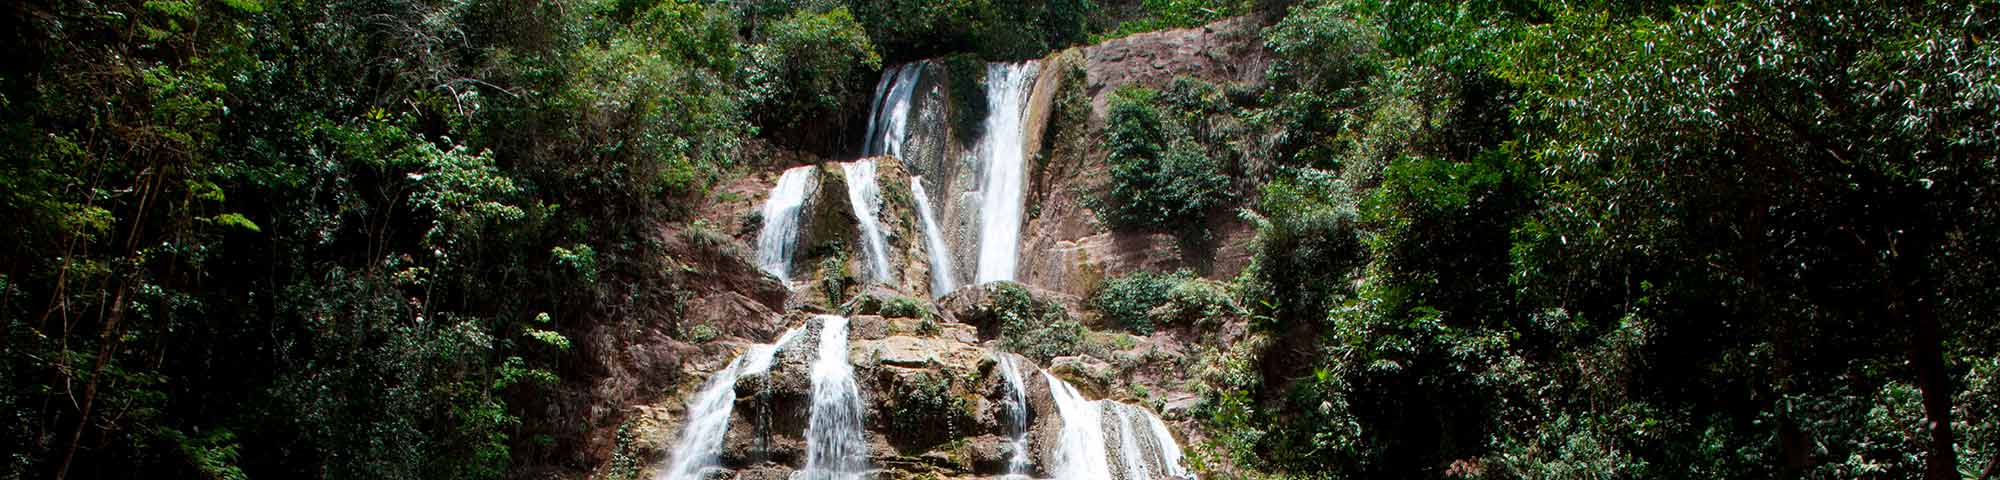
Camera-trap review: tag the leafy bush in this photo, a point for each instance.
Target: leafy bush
(808, 65)
(1144, 301)
(926, 411)
(1169, 14)
(1160, 176)
(902, 306)
(1128, 301)
(1031, 327)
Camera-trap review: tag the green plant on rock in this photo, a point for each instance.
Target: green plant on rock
(903, 307)
(1032, 327)
(926, 410)
(1162, 177)
(835, 277)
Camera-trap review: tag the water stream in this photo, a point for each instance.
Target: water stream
(1001, 153)
(866, 198)
(943, 280)
(889, 113)
(836, 448)
(779, 237)
(1080, 452)
(1017, 417)
(709, 410)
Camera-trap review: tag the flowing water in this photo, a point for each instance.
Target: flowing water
(943, 281)
(1131, 453)
(889, 113)
(1017, 417)
(1170, 451)
(780, 234)
(835, 446)
(1080, 452)
(866, 199)
(1001, 152)
(708, 413)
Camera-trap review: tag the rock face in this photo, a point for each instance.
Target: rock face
(1064, 247)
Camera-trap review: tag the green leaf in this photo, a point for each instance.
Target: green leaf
(235, 220)
(245, 6)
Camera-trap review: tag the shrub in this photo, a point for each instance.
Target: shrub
(1144, 301)
(901, 306)
(1129, 300)
(1161, 177)
(1031, 327)
(806, 65)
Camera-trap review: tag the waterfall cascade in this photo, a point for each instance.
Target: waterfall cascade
(943, 281)
(779, 237)
(866, 199)
(1170, 450)
(1001, 153)
(708, 412)
(835, 446)
(889, 114)
(1017, 417)
(1080, 450)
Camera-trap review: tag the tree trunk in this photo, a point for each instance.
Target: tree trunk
(104, 351)
(1912, 295)
(1927, 355)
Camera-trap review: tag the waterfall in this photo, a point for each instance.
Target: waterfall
(889, 113)
(1080, 450)
(1170, 451)
(1017, 417)
(1001, 154)
(708, 412)
(866, 199)
(835, 446)
(1130, 452)
(780, 234)
(943, 281)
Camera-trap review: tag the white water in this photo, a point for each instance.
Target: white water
(866, 199)
(780, 234)
(708, 413)
(1001, 152)
(943, 281)
(835, 447)
(889, 114)
(1080, 451)
(1129, 450)
(1170, 451)
(1017, 417)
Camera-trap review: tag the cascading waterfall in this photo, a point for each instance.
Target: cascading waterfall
(866, 199)
(1130, 453)
(943, 281)
(1170, 451)
(889, 114)
(1017, 417)
(835, 446)
(780, 234)
(1080, 450)
(708, 412)
(1001, 153)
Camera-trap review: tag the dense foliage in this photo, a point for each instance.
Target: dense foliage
(1168, 166)
(1542, 240)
